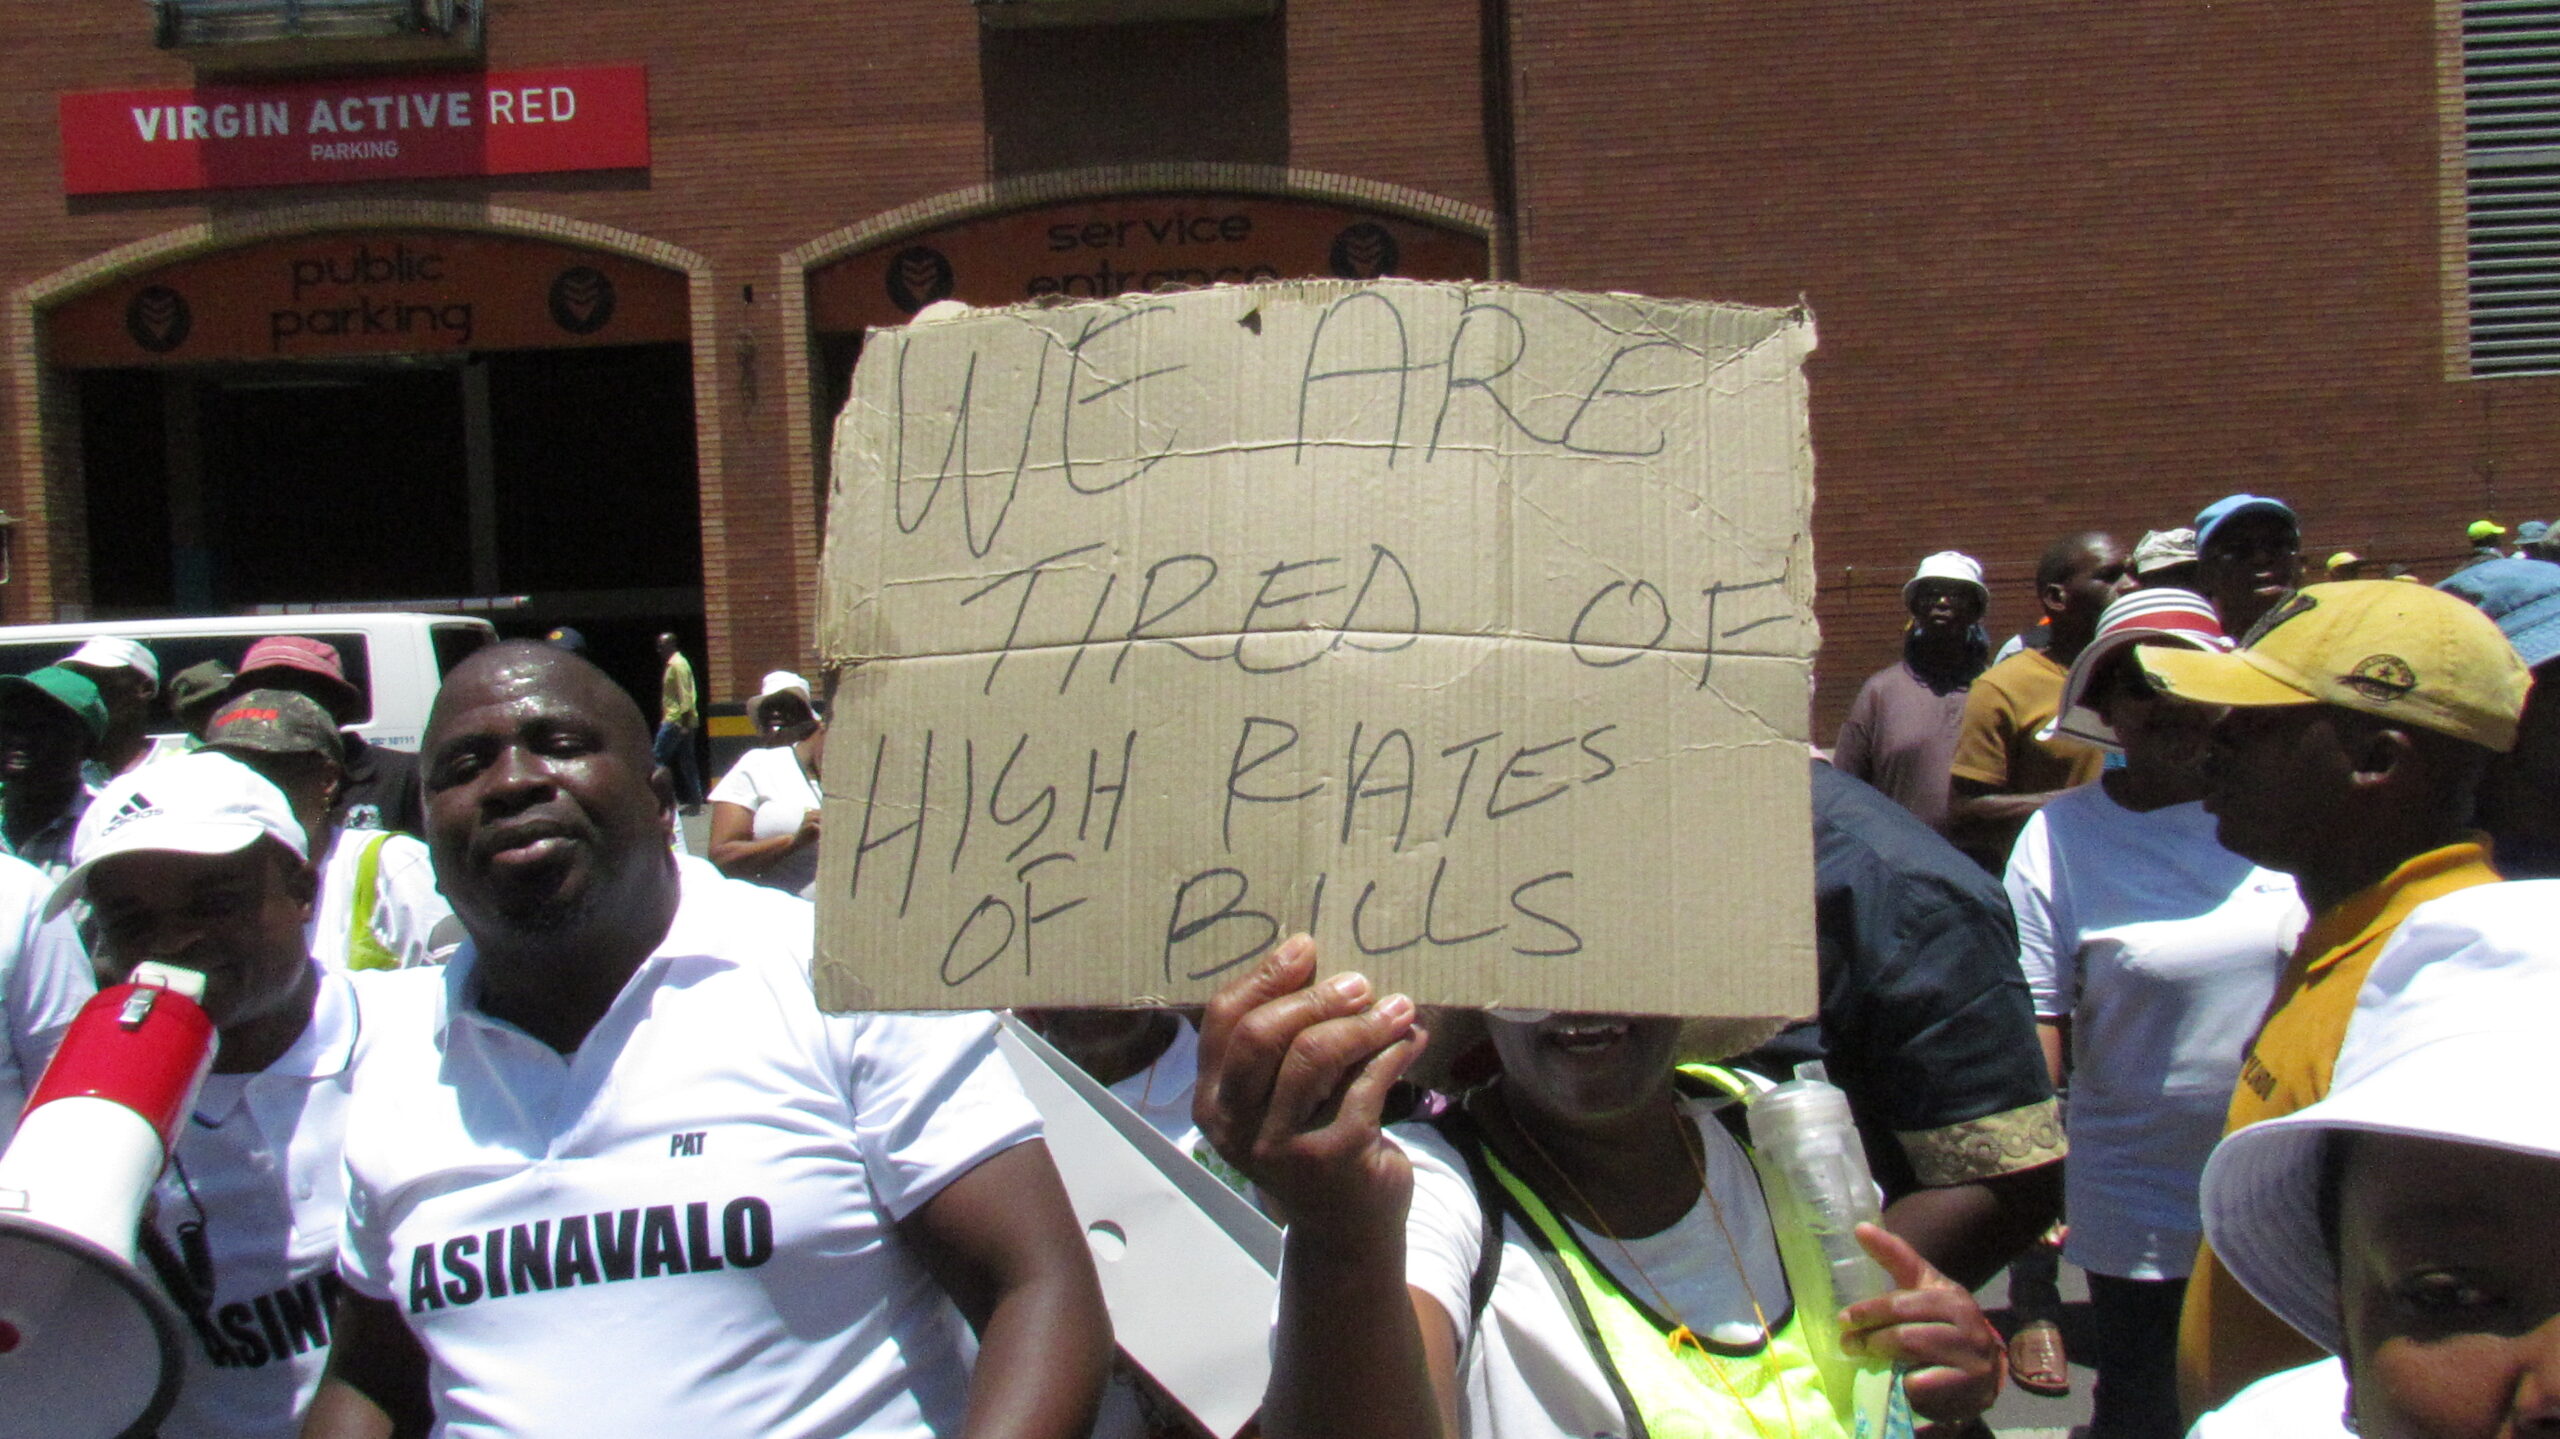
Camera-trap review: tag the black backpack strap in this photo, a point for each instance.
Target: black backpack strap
(1461, 1132)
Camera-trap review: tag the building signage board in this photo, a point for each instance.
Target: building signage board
(369, 292)
(330, 132)
(1114, 245)
(1466, 626)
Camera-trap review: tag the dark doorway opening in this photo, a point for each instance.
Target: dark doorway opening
(563, 476)
(335, 484)
(594, 459)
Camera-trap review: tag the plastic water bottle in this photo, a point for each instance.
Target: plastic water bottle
(1803, 1129)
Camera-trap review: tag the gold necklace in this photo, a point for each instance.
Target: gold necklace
(1681, 1335)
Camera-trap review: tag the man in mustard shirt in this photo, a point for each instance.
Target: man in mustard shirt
(2362, 716)
(678, 719)
(2003, 770)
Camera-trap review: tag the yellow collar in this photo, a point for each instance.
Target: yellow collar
(2377, 909)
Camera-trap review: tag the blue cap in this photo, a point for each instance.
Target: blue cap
(2210, 518)
(568, 639)
(2533, 532)
(2523, 596)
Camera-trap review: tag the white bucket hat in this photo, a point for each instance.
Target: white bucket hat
(1954, 565)
(199, 803)
(2451, 1040)
(781, 682)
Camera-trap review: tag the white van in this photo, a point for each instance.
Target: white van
(395, 661)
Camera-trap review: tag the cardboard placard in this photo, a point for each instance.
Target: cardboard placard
(1467, 626)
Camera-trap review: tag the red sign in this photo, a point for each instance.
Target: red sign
(331, 132)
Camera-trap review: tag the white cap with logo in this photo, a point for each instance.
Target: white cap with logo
(108, 653)
(200, 803)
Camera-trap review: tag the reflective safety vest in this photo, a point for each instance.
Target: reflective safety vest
(365, 949)
(1690, 1387)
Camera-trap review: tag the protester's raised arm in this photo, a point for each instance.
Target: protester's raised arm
(1294, 1078)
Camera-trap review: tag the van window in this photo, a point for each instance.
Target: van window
(23, 658)
(178, 652)
(455, 643)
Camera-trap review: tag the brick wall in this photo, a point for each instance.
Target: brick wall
(2072, 266)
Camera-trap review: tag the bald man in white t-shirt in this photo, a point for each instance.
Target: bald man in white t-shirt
(614, 1172)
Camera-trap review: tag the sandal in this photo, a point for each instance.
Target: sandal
(2037, 1363)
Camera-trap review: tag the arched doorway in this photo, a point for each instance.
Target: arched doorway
(388, 417)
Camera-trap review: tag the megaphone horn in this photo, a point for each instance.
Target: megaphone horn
(88, 1345)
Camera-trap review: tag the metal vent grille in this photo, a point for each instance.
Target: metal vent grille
(188, 23)
(2511, 142)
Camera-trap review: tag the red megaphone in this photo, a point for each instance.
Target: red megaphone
(88, 1344)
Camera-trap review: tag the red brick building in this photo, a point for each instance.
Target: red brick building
(2072, 266)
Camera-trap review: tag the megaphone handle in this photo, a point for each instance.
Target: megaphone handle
(137, 1045)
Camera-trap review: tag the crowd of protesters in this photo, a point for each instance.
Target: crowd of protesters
(2214, 795)
(2195, 937)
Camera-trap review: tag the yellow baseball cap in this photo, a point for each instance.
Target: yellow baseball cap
(2410, 653)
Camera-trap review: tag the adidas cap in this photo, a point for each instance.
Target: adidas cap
(200, 803)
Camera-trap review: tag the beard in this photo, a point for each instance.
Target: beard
(588, 883)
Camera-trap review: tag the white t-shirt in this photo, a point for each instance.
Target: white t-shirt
(411, 917)
(44, 979)
(1527, 1372)
(774, 787)
(258, 1166)
(1161, 1092)
(687, 1226)
(2162, 948)
(2305, 1403)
